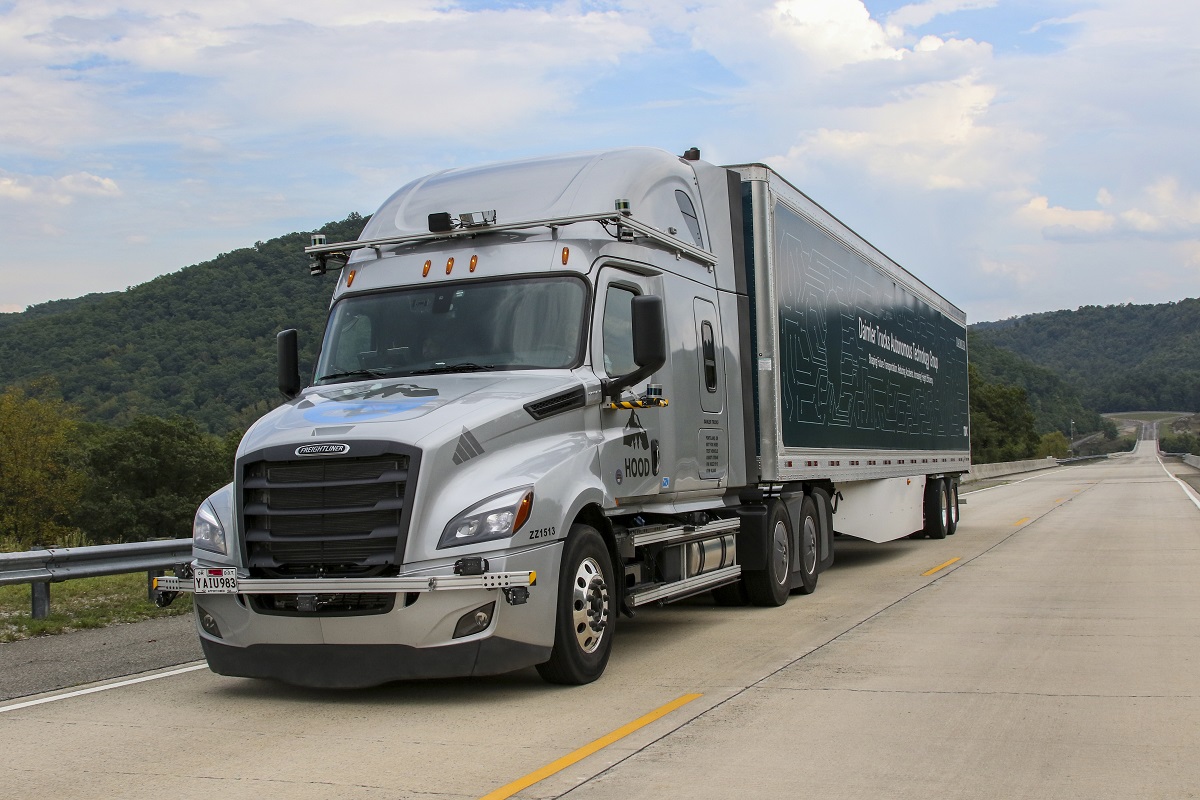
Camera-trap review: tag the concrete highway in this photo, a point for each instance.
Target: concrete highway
(1049, 649)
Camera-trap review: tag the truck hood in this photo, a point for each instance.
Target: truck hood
(405, 409)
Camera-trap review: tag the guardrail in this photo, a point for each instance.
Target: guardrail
(40, 568)
(1076, 459)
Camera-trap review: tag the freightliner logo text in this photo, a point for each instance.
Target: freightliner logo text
(327, 449)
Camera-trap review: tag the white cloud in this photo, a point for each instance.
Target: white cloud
(43, 190)
(975, 154)
(1039, 213)
(1162, 208)
(917, 14)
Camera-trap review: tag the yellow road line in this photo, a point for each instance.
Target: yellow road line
(1021, 521)
(585, 751)
(940, 566)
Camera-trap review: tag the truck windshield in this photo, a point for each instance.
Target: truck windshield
(525, 323)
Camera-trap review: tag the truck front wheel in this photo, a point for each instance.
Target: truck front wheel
(586, 618)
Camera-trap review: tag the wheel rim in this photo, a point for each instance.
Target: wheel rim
(810, 545)
(779, 554)
(954, 504)
(589, 605)
(942, 500)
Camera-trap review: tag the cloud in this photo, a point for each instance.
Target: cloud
(1161, 210)
(379, 68)
(44, 190)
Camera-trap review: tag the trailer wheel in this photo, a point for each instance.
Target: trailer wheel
(810, 554)
(952, 506)
(937, 508)
(586, 618)
(771, 586)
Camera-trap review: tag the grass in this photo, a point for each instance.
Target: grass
(83, 603)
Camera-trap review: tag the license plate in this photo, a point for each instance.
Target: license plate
(215, 581)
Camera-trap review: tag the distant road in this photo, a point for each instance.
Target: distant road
(1049, 649)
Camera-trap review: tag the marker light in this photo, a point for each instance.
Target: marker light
(449, 264)
(566, 255)
(474, 262)
(350, 278)
(425, 272)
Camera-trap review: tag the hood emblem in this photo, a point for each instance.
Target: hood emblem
(324, 449)
(468, 447)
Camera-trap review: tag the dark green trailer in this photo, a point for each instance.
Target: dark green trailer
(860, 368)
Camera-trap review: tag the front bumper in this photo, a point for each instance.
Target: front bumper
(414, 637)
(353, 666)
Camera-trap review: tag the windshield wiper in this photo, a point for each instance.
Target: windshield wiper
(354, 373)
(466, 366)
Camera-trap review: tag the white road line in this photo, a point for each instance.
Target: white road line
(104, 688)
(1191, 494)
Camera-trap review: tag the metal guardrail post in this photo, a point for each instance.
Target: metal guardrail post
(41, 599)
(151, 592)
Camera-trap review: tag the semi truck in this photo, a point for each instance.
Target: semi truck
(553, 391)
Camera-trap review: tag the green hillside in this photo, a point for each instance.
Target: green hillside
(1121, 358)
(199, 342)
(1055, 402)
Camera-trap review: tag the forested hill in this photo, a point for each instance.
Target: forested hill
(198, 342)
(1056, 404)
(1121, 358)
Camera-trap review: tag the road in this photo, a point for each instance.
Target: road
(1056, 656)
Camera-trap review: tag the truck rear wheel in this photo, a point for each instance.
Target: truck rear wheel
(770, 586)
(810, 556)
(937, 509)
(952, 506)
(586, 617)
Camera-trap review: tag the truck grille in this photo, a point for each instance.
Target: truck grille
(336, 517)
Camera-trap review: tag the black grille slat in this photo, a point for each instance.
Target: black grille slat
(321, 470)
(331, 497)
(335, 516)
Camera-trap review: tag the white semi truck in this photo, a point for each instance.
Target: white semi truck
(555, 390)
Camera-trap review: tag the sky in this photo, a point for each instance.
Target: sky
(1016, 155)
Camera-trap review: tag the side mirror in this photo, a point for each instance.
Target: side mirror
(289, 363)
(649, 343)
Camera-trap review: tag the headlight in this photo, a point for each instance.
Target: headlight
(207, 532)
(495, 518)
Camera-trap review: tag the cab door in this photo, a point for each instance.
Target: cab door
(634, 451)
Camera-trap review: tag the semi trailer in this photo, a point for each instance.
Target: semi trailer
(553, 391)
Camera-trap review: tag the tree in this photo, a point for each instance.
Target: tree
(147, 479)
(1054, 444)
(39, 486)
(1002, 423)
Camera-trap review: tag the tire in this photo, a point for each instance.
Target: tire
(808, 535)
(936, 508)
(587, 611)
(770, 587)
(952, 506)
